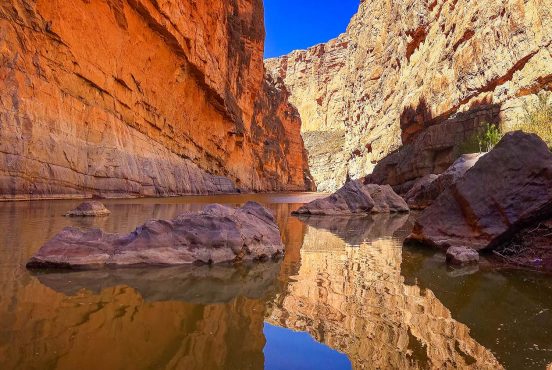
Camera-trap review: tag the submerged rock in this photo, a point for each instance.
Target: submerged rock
(428, 188)
(461, 256)
(507, 189)
(89, 209)
(214, 235)
(356, 197)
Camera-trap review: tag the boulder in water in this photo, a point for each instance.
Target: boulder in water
(506, 190)
(216, 234)
(356, 197)
(89, 209)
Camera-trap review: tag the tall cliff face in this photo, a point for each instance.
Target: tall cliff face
(139, 97)
(419, 73)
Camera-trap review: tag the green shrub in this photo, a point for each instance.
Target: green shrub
(483, 140)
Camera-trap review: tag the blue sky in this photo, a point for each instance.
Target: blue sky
(299, 24)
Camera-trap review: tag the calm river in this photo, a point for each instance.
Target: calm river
(347, 295)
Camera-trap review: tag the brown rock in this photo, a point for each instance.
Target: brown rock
(403, 67)
(133, 98)
(429, 187)
(461, 256)
(89, 209)
(356, 197)
(507, 189)
(216, 234)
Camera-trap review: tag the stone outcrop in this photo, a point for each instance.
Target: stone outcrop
(506, 190)
(215, 235)
(89, 209)
(136, 97)
(428, 188)
(357, 198)
(424, 74)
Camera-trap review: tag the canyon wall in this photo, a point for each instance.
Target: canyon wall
(141, 97)
(419, 74)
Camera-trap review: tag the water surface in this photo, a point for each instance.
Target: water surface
(346, 295)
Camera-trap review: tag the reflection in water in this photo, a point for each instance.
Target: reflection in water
(354, 299)
(187, 317)
(346, 281)
(192, 284)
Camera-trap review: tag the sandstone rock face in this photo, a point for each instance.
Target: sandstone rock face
(356, 197)
(507, 189)
(429, 187)
(133, 97)
(216, 234)
(426, 72)
(89, 209)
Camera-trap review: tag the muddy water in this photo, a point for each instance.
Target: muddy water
(346, 295)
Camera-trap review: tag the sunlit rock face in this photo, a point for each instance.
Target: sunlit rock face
(421, 73)
(134, 97)
(355, 300)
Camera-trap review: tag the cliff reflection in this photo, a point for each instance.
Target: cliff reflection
(354, 299)
(138, 319)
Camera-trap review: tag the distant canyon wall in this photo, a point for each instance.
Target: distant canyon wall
(421, 74)
(141, 97)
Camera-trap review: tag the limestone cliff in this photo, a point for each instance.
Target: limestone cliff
(140, 97)
(420, 73)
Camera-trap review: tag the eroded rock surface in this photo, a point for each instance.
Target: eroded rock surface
(428, 188)
(506, 190)
(215, 235)
(356, 197)
(426, 72)
(131, 98)
(89, 209)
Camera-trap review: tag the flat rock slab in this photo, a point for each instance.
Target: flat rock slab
(216, 234)
(356, 197)
(89, 209)
(506, 190)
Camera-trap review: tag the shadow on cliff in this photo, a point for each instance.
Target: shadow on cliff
(431, 143)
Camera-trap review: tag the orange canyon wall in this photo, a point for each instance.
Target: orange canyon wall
(141, 97)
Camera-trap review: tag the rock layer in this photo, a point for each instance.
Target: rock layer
(429, 72)
(508, 189)
(215, 235)
(137, 97)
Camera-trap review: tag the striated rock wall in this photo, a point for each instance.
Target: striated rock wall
(405, 68)
(139, 97)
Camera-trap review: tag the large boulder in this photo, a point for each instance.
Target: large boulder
(428, 188)
(214, 235)
(357, 197)
(89, 209)
(506, 190)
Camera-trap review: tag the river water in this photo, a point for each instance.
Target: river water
(346, 295)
